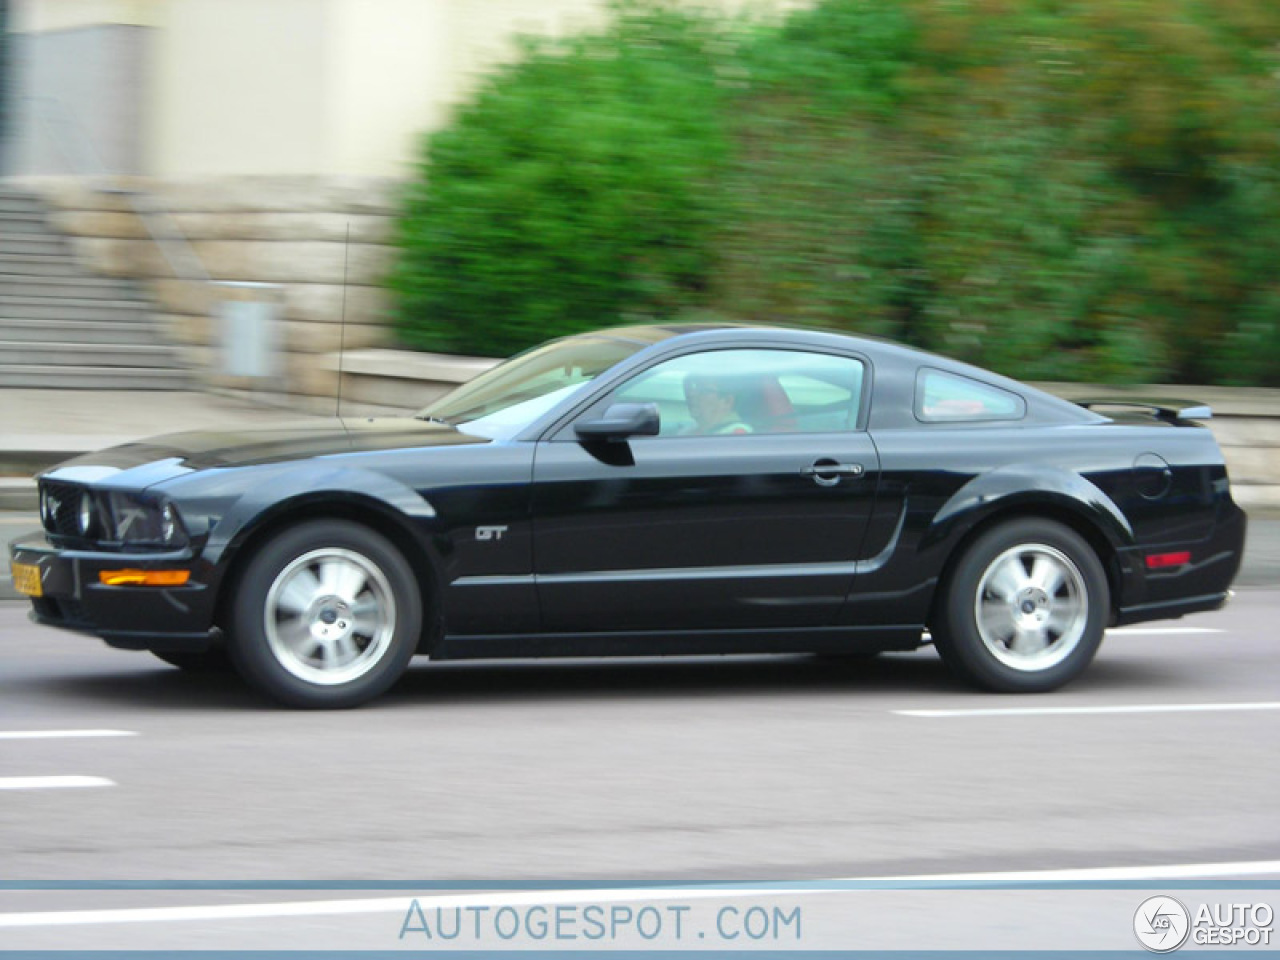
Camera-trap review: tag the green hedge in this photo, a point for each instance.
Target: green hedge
(577, 187)
(1066, 189)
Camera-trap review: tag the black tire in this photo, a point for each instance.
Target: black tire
(327, 615)
(1031, 637)
(213, 660)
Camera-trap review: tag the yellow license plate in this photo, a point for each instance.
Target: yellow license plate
(26, 579)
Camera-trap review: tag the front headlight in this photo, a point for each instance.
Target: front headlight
(169, 526)
(85, 514)
(135, 520)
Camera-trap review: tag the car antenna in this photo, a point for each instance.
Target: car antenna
(342, 325)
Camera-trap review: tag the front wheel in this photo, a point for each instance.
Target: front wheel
(1024, 608)
(327, 615)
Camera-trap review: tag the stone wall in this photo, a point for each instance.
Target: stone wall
(289, 232)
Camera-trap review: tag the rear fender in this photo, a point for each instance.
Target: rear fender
(1025, 487)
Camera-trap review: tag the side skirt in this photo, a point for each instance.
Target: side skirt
(678, 643)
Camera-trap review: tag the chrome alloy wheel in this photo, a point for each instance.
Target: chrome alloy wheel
(1032, 607)
(330, 616)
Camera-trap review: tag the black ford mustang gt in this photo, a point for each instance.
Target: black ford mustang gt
(649, 490)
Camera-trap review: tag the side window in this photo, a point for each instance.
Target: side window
(726, 392)
(950, 398)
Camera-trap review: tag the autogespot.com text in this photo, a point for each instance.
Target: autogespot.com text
(603, 923)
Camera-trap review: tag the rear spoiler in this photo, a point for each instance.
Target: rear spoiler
(1169, 410)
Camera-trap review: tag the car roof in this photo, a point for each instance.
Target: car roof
(655, 333)
(650, 334)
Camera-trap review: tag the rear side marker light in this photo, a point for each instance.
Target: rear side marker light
(144, 578)
(1159, 561)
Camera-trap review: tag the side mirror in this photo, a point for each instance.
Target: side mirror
(620, 421)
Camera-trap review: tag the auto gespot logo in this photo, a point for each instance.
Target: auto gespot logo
(1162, 924)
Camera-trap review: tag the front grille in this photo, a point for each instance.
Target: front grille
(63, 500)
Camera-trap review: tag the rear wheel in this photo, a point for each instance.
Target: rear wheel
(1024, 608)
(327, 615)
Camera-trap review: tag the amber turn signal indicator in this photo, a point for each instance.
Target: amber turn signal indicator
(144, 578)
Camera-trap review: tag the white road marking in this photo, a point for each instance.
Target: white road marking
(1161, 631)
(1069, 711)
(400, 904)
(62, 734)
(1172, 871)
(52, 783)
(1141, 631)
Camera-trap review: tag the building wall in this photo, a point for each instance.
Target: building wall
(77, 100)
(46, 16)
(239, 87)
(180, 88)
(324, 87)
(391, 78)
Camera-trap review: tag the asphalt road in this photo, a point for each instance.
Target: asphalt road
(117, 769)
(710, 769)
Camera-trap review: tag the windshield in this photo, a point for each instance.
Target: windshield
(502, 402)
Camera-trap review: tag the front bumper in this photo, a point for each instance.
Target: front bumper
(131, 617)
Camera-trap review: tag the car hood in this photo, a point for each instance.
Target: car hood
(155, 459)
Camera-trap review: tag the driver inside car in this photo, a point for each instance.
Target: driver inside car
(713, 404)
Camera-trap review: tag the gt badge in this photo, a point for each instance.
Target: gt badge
(490, 533)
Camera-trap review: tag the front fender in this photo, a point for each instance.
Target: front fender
(1028, 486)
(292, 491)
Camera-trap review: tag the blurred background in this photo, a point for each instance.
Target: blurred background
(1060, 189)
(220, 195)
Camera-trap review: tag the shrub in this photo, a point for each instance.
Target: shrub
(1061, 189)
(574, 189)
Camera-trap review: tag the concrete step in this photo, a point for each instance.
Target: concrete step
(92, 378)
(21, 203)
(40, 265)
(18, 493)
(39, 244)
(75, 288)
(72, 308)
(33, 353)
(28, 330)
(33, 245)
(24, 223)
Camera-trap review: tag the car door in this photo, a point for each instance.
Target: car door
(755, 520)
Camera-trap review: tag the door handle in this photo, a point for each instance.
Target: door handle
(827, 472)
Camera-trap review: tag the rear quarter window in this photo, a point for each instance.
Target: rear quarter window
(943, 397)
